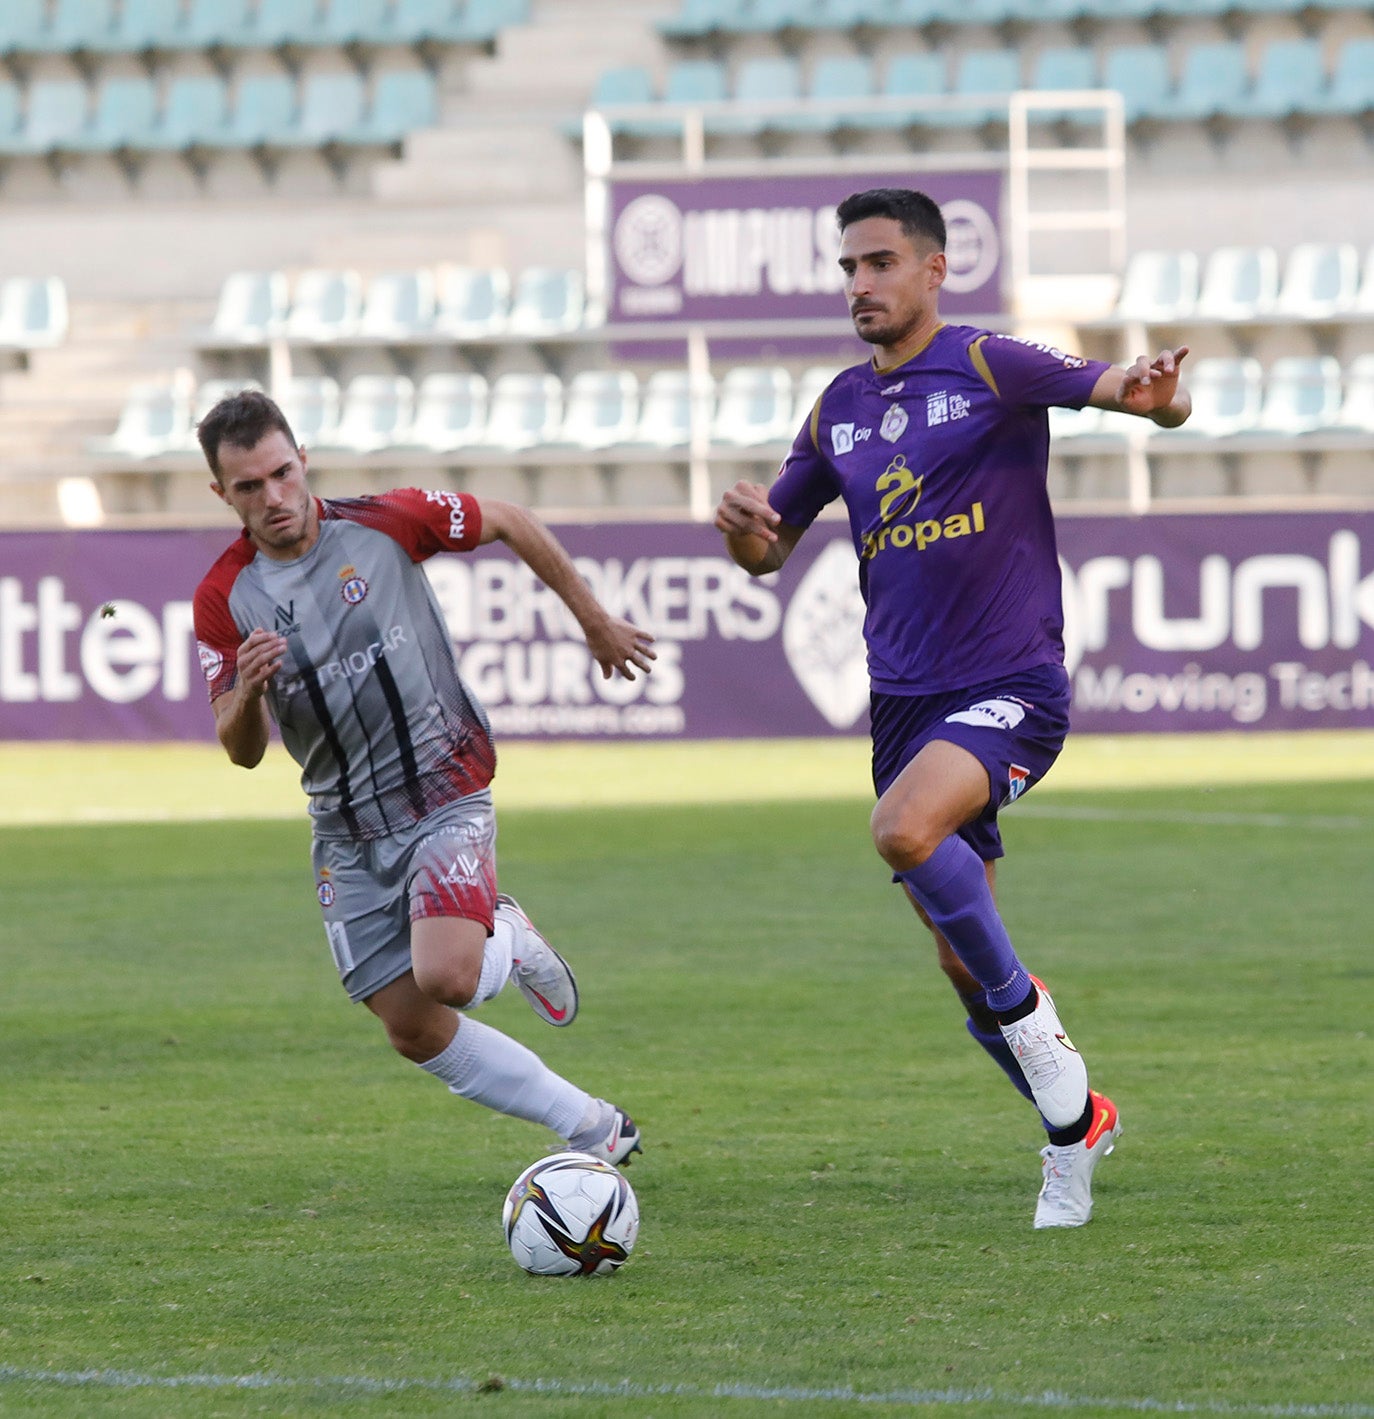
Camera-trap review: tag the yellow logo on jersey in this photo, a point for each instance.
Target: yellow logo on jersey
(921, 534)
(896, 482)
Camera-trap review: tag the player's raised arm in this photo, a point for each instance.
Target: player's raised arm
(755, 536)
(1147, 388)
(616, 645)
(241, 719)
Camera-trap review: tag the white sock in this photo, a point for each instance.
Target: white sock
(497, 958)
(490, 1068)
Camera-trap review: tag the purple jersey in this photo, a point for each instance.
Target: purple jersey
(942, 463)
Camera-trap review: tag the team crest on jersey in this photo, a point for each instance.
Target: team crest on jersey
(354, 588)
(1018, 781)
(894, 423)
(211, 661)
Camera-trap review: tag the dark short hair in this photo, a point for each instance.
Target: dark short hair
(241, 420)
(917, 215)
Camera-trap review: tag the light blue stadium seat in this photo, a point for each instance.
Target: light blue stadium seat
(525, 410)
(280, 22)
(626, 84)
(398, 305)
(910, 74)
(77, 25)
(1239, 283)
(1159, 286)
(375, 412)
(196, 113)
(426, 21)
(774, 16)
(1065, 68)
(325, 305)
(1302, 393)
(252, 307)
(483, 20)
(263, 111)
(10, 106)
(754, 406)
(450, 412)
(834, 77)
(665, 411)
(1291, 80)
(125, 115)
(1214, 82)
(142, 25)
(1357, 404)
(311, 406)
(333, 107)
(983, 73)
(1351, 90)
(546, 301)
(696, 81)
(761, 80)
(33, 312)
(402, 101)
(473, 301)
(600, 409)
(56, 115)
(697, 18)
(214, 23)
(156, 419)
(1140, 74)
(23, 26)
(1227, 397)
(355, 22)
(1319, 279)
(852, 14)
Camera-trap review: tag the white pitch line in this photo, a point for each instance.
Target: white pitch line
(1084, 814)
(367, 1385)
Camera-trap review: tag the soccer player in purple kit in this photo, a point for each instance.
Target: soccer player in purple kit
(320, 617)
(939, 447)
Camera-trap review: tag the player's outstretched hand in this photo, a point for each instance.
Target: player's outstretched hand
(745, 511)
(260, 657)
(1151, 385)
(619, 647)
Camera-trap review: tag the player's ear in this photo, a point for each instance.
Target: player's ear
(218, 490)
(939, 268)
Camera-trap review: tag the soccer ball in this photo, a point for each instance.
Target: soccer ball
(570, 1214)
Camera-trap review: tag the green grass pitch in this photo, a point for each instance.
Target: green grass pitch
(223, 1195)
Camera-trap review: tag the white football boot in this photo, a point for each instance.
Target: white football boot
(1055, 1071)
(1066, 1196)
(543, 977)
(619, 1142)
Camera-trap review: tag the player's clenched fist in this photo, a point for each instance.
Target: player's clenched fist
(744, 511)
(259, 659)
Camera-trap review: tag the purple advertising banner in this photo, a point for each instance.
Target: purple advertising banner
(1197, 622)
(765, 247)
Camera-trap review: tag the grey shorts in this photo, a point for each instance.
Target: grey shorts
(370, 891)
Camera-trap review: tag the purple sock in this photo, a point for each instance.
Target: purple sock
(1002, 1056)
(952, 885)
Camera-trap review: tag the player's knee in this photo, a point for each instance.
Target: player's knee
(902, 841)
(450, 982)
(416, 1039)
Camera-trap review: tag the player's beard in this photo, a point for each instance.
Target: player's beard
(283, 532)
(886, 331)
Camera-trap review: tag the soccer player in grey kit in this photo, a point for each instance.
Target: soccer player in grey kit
(320, 616)
(939, 447)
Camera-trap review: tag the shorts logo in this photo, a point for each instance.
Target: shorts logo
(1018, 779)
(894, 423)
(354, 588)
(211, 661)
(990, 714)
(325, 892)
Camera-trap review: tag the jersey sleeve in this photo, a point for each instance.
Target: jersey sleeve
(217, 637)
(423, 522)
(1025, 373)
(805, 482)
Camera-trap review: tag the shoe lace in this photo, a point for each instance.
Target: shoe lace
(1058, 1177)
(1035, 1053)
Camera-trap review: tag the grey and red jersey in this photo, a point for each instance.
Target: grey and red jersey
(369, 700)
(942, 464)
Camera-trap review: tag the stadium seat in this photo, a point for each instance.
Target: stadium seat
(1357, 406)
(698, 18)
(287, 22)
(1065, 68)
(263, 112)
(665, 411)
(834, 77)
(156, 419)
(1364, 300)
(33, 312)
(125, 115)
(601, 408)
(399, 305)
(196, 114)
(912, 74)
(212, 24)
(1302, 393)
(23, 26)
(754, 407)
(9, 116)
(333, 107)
(472, 301)
(811, 384)
(56, 115)
(987, 74)
(625, 84)
(480, 21)
(1319, 279)
(355, 22)
(1140, 74)
(1226, 392)
(1351, 91)
(773, 16)
(77, 26)
(696, 81)
(325, 305)
(311, 406)
(1290, 80)
(525, 410)
(546, 302)
(1159, 286)
(450, 412)
(1214, 83)
(1239, 283)
(252, 307)
(402, 101)
(851, 14)
(427, 22)
(376, 413)
(141, 25)
(760, 80)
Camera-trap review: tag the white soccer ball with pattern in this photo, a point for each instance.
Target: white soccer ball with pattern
(571, 1214)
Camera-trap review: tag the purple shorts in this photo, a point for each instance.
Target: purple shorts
(1014, 727)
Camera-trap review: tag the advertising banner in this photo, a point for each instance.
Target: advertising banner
(765, 247)
(1196, 622)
